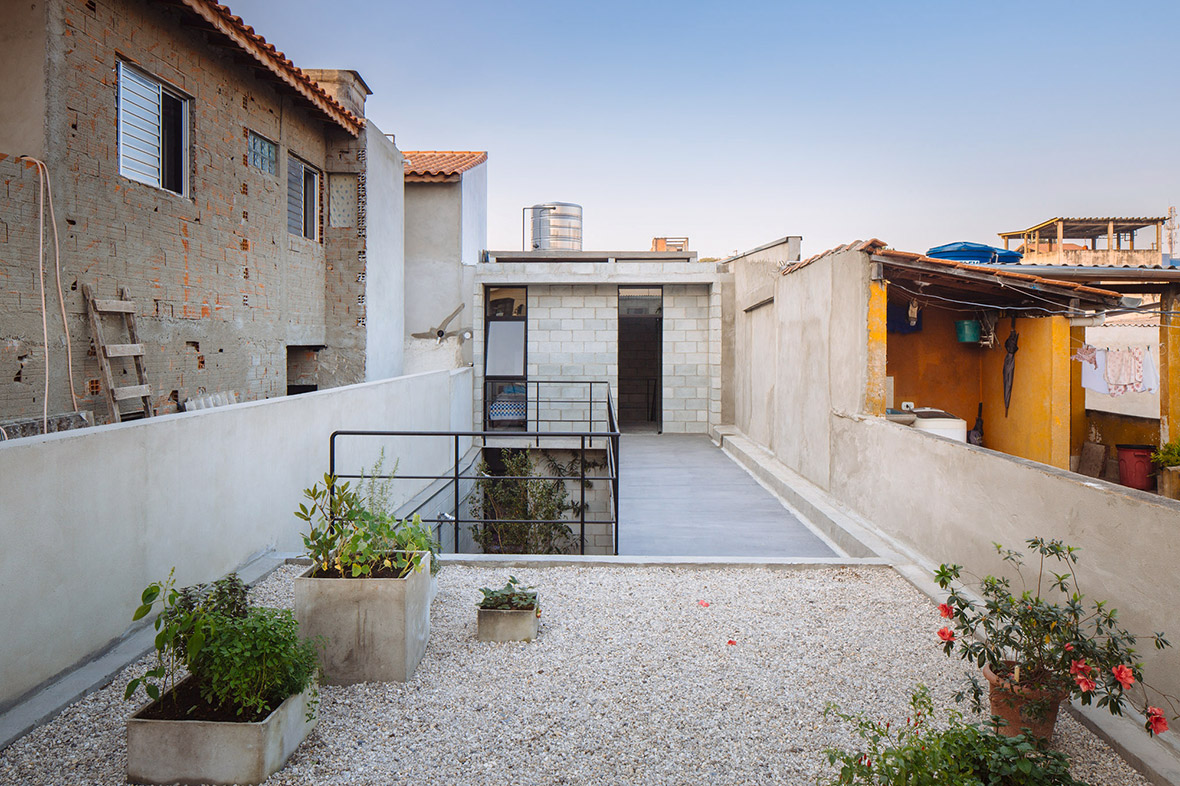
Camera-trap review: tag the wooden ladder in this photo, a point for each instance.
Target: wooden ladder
(126, 309)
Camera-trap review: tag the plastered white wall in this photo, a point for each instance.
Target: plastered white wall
(385, 253)
(89, 518)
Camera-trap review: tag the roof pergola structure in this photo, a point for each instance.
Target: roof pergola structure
(1056, 231)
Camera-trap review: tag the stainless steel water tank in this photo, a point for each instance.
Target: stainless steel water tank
(556, 226)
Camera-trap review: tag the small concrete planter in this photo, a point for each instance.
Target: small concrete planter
(193, 752)
(1169, 482)
(376, 629)
(508, 624)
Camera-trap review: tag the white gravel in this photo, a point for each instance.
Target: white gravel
(630, 681)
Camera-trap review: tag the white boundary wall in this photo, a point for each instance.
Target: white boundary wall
(89, 518)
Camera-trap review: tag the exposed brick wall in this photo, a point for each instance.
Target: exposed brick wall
(217, 269)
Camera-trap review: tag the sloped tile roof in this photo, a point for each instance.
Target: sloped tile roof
(440, 166)
(221, 19)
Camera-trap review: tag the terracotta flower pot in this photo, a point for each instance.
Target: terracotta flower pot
(1012, 703)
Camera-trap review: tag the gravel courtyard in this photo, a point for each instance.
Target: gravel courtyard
(632, 681)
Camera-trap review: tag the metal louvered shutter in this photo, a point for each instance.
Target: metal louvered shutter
(294, 196)
(139, 127)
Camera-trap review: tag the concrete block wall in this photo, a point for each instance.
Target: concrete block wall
(692, 356)
(221, 287)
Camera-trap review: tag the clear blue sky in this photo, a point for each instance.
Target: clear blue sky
(737, 123)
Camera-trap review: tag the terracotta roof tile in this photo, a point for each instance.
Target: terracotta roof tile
(435, 166)
(232, 27)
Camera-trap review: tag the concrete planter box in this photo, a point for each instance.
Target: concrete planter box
(508, 624)
(194, 752)
(375, 629)
(1169, 482)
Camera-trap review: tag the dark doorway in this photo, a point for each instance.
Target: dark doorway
(641, 332)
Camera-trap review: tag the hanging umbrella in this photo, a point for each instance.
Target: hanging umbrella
(1009, 365)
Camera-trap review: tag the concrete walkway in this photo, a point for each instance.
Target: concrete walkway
(679, 495)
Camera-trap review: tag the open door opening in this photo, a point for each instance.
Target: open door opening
(641, 332)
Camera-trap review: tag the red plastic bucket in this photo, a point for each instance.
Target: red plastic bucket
(1135, 466)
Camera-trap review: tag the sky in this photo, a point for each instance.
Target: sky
(734, 124)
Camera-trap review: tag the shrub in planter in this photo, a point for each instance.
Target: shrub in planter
(250, 699)
(523, 513)
(921, 752)
(1045, 644)
(367, 592)
(1167, 458)
(509, 613)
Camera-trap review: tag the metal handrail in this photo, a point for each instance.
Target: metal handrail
(454, 476)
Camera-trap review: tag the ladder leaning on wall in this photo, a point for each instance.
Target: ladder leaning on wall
(124, 308)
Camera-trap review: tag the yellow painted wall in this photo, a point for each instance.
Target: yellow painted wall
(932, 369)
(1037, 426)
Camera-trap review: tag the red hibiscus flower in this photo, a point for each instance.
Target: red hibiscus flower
(1077, 667)
(946, 634)
(1124, 675)
(1085, 683)
(1156, 722)
(1069, 648)
(945, 611)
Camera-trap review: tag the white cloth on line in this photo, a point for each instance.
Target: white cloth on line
(1094, 376)
(1151, 376)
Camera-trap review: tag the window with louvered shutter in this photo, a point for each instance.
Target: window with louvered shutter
(302, 198)
(153, 131)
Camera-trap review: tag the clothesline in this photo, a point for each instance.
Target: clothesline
(1114, 372)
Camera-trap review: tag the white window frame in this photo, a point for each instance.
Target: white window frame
(137, 91)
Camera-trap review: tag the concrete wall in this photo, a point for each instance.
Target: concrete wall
(99, 514)
(691, 361)
(436, 281)
(22, 90)
(385, 297)
(950, 502)
(947, 501)
(474, 198)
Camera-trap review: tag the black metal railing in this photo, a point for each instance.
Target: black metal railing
(546, 405)
(450, 499)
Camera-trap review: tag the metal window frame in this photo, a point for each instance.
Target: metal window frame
(487, 320)
(315, 235)
(122, 67)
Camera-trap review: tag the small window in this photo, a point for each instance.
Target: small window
(153, 131)
(263, 154)
(506, 349)
(507, 302)
(303, 188)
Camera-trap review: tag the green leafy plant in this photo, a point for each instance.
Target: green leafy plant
(254, 662)
(180, 634)
(377, 487)
(1046, 636)
(513, 596)
(523, 513)
(921, 752)
(1168, 455)
(348, 540)
(225, 597)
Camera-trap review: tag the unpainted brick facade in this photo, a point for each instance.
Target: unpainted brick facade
(221, 287)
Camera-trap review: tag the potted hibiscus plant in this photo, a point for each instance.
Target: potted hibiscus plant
(247, 701)
(367, 591)
(1045, 644)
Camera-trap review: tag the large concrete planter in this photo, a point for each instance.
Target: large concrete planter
(508, 624)
(193, 752)
(1169, 482)
(375, 629)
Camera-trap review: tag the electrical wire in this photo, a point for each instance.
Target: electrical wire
(45, 183)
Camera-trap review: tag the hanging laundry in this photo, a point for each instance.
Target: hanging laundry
(1151, 375)
(1124, 370)
(1094, 376)
(1085, 354)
